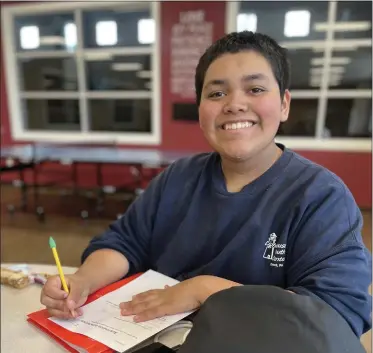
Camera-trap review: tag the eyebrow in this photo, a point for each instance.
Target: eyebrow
(247, 78)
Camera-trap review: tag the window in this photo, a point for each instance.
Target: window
(83, 71)
(331, 80)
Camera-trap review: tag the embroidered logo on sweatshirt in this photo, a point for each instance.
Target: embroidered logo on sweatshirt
(274, 252)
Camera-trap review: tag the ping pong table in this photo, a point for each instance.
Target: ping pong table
(22, 157)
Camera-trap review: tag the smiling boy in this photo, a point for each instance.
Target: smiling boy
(250, 213)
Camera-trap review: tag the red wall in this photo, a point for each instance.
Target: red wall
(354, 168)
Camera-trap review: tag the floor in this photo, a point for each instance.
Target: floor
(24, 239)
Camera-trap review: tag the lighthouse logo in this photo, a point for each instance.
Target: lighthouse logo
(274, 252)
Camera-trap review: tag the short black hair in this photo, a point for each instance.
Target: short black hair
(241, 41)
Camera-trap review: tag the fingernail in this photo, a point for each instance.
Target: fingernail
(65, 295)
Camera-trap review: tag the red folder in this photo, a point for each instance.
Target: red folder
(70, 339)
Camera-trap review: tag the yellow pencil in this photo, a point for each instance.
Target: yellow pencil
(52, 245)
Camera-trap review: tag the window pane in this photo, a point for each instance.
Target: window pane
(270, 18)
(357, 19)
(351, 69)
(121, 29)
(125, 73)
(349, 117)
(302, 118)
(46, 32)
(52, 114)
(48, 74)
(129, 115)
(301, 64)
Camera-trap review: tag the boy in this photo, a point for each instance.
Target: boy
(250, 213)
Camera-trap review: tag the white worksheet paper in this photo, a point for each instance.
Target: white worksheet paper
(102, 321)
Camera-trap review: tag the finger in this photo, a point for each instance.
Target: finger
(52, 288)
(138, 299)
(132, 309)
(138, 308)
(150, 314)
(53, 303)
(60, 314)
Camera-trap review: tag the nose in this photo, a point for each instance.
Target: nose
(236, 103)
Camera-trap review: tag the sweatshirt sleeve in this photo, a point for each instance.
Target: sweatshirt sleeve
(327, 257)
(131, 234)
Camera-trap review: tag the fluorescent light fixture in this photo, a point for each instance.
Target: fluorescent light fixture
(350, 48)
(247, 22)
(106, 33)
(146, 31)
(333, 61)
(144, 74)
(297, 23)
(30, 38)
(342, 26)
(51, 40)
(126, 66)
(332, 69)
(97, 56)
(70, 35)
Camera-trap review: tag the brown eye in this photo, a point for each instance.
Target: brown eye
(257, 90)
(217, 94)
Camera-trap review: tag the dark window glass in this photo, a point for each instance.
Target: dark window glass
(301, 64)
(354, 11)
(302, 118)
(125, 73)
(48, 74)
(351, 69)
(349, 118)
(127, 115)
(52, 114)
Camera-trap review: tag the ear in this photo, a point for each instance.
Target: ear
(285, 106)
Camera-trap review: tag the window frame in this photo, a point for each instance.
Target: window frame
(322, 94)
(15, 95)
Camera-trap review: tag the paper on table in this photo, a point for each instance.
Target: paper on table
(102, 321)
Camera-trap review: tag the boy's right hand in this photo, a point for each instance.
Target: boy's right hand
(60, 304)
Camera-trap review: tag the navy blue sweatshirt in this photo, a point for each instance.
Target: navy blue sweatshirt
(296, 227)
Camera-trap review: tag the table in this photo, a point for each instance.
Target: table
(17, 335)
(22, 157)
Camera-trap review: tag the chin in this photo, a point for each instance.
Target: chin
(236, 153)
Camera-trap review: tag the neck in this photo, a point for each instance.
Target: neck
(238, 174)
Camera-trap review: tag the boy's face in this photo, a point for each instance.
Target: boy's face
(241, 109)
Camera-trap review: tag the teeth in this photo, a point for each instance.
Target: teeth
(236, 126)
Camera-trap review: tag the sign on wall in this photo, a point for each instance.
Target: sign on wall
(188, 29)
(189, 40)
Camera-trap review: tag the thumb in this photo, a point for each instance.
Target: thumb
(75, 295)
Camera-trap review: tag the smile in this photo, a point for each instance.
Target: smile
(238, 125)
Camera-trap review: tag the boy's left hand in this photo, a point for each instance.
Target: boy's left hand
(183, 297)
